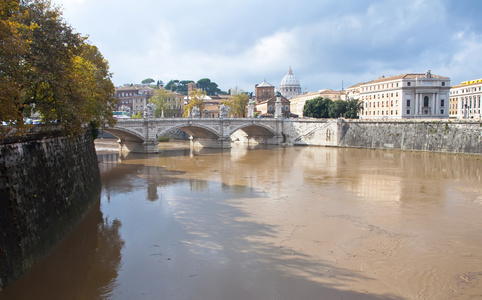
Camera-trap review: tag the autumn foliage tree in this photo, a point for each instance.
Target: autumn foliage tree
(196, 99)
(237, 103)
(46, 67)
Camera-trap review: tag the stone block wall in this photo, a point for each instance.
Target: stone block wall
(436, 136)
(47, 184)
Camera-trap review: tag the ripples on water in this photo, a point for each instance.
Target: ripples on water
(272, 223)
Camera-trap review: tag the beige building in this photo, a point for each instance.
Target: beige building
(174, 105)
(297, 104)
(136, 97)
(406, 96)
(465, 100)
(267, 108)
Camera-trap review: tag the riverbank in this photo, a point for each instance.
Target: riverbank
(48, 183)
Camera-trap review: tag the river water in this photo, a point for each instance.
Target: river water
(272, 223)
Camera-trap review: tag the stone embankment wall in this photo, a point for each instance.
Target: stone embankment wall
(47, 184)
(436, 136)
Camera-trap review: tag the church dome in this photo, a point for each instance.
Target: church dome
(290, 80)
(290, 85)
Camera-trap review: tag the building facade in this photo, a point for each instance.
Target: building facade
(267, 108)
(174, 105)
(263, 91)
(465, 102)
(290, 86)
(406, 96)
(135, 97)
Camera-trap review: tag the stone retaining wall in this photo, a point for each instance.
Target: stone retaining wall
(436, 136)
(47, 184)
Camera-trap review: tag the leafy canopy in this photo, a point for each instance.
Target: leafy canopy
(237, 103)
(196, 99)
(159, 99)
(326, 108)
(48, 68)
(147, 81)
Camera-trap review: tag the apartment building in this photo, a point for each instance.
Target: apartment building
(136, 97)
(465, 100)
(406, 96)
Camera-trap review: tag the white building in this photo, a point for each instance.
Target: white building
(465, 100)
(290, 86)
(406, 96)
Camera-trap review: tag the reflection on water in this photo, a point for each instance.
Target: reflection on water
(84, 266)
(272, 223)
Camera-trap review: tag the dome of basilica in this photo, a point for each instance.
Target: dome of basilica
(290, 85)
(289, 79)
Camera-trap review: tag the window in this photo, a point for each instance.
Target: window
(408, 111)
(425, 101)
(287, 108)
(408, 83)
(408, 102)
(442, 111)
(442, 102)
(443, 83)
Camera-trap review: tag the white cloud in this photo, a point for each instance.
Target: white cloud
(242, 42)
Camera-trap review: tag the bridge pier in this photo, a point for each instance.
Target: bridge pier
(219, 143)
(138, 147)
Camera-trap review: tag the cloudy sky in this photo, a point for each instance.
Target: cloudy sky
(242, 42)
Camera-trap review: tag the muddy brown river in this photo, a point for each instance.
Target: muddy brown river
(272, 223)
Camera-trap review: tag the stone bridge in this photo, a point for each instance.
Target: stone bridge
(141, 135)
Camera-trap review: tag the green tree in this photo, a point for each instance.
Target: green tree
(206, 85)
(172, 85)
(159, 99)
(317, 108)
(196, 99)
(237, 103)
(147, 81)
(182, 87)
(354, 106)
(337, 109)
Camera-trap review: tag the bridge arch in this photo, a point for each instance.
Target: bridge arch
(195, 131)
(125, 134)
(255, 130)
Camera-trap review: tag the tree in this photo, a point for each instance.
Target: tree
(14, 37)
(138, 115)
(147, 81)
(237, 103)
(50, 69)
(317, 108)
(206, 85)
(353, 108)
(196, 99)
(337, 109)
(172, 85)
(159, 99)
